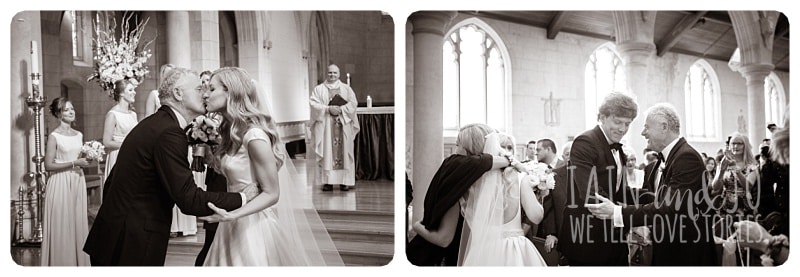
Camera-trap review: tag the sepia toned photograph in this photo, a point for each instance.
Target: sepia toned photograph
(202, 138)
(597, 138)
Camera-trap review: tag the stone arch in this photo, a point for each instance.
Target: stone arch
(228, 39)
(505, 56)
(754, 35)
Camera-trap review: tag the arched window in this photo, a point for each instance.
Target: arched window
(774, 100)
(604, 74)
(77, 39)
(81, 36)
(701, 89)
(475, 78)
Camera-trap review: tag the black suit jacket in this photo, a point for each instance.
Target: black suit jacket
(647, 193)
(681, 230)
(546, 227)
(150, 177)
(583, 238)
(554, 204)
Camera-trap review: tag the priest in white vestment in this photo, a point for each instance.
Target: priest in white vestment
(334, 126)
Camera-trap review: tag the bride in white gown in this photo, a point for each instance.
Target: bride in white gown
(492, 208)
(273, 229)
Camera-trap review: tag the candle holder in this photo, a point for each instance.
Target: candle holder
(36, 102)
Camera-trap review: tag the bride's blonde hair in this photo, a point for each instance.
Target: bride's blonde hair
(244, 111)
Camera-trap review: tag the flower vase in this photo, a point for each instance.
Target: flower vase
(198, 157)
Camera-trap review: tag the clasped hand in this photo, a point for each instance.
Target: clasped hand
(602, 210)
(220, 214)
(335, 110)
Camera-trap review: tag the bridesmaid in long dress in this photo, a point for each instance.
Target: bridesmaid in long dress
(119, 121)
(65, 225)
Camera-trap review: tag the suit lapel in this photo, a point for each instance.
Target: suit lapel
(668, 163)
(602, 143)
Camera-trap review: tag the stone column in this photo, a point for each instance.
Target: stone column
(428, 34)
(205, 39)
(755, 75)
(178, 39)
(636, 56)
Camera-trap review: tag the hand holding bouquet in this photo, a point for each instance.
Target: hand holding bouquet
(93, 150)
(202, 132)
(538, 176)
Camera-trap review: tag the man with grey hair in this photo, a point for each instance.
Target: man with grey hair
(150, 177)
(681, 229)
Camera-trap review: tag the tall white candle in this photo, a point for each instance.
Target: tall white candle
(35, 60)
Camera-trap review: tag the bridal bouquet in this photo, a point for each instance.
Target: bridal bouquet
(202, 132)
(538, 176)
(93, 150)
(114, 59)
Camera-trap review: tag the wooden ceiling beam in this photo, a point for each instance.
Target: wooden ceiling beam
(685, 24)
(502, 16)
(556, 24)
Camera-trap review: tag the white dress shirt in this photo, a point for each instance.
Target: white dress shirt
(618, 222)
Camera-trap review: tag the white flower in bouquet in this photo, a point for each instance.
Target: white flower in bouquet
(204, 130)
(539, 176)
(94, 150)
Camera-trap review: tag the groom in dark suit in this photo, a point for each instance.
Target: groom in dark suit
(598, 160)
(150, 177)
(679, 217)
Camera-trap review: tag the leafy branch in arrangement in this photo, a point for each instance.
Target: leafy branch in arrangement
(118, 59)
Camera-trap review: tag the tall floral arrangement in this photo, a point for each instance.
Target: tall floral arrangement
(119, 58)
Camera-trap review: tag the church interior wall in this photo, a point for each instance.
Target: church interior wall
(540, 65)
(362, 44)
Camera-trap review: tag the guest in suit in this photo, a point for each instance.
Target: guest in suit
(546, 153)
(599, 161)
(554, 206)
(681, 229)
(151, 176)
(218, 183)
(530, 152)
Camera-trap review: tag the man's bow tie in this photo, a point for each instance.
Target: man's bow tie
(616, 146)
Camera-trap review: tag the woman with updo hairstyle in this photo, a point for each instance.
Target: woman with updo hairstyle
(65, 222)
(120, 119)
